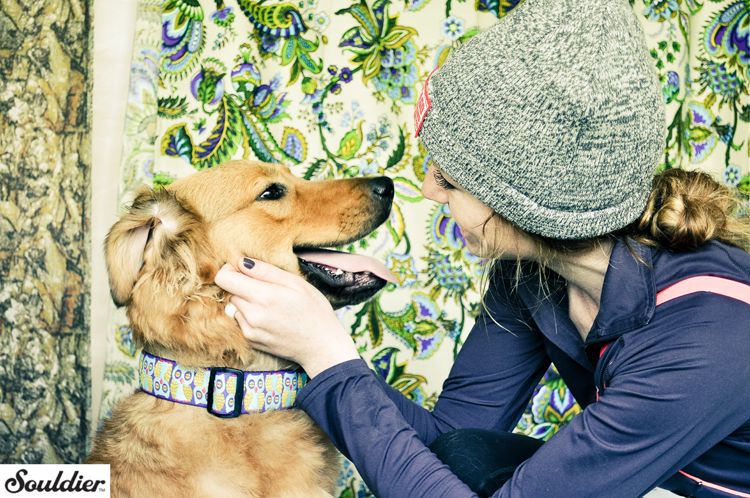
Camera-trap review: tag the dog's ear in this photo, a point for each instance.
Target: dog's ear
(156, 222)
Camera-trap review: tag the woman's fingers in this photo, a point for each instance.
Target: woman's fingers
(265, 272)
(251, 314)
(265, 279)
(252, 334)
(281, 314)
(238, 284)
(247, 317)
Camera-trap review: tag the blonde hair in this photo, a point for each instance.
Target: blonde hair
(685, 210)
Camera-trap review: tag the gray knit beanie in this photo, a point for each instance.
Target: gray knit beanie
(553, 117)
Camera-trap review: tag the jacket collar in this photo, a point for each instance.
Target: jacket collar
(629, 293)
(628, 302)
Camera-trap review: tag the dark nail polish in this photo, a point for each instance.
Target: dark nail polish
(249, 263)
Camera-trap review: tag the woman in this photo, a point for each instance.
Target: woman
(545, 131)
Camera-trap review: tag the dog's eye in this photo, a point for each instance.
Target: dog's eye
(272, 193)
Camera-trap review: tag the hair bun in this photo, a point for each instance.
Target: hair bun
(688, 208)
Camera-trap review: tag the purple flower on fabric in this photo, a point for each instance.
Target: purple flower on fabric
(726, 36)
(398, 73)
(724, 130)
(700, 136)
(266, 105)
(207, 86)
(662, 10)
(426, 308)
(727, 137)
(671, 87)
(700, 116)
(452, 28)
(407, 94)
(245, 77)
(313, 98)
(732, 175)
(721, 80)
(269, 44)
(378, 32)
(332, 70)
(445, 230)
(125, 341)
(449, 276)
(346, 75)
(275, 82)
(336, 89)
(415, 5)
(223, 17)
(554, 406)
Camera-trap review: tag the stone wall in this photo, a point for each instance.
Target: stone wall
(45, 169)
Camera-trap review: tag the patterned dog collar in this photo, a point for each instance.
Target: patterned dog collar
(224, 392)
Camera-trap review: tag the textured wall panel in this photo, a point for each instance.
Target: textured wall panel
(45, 170)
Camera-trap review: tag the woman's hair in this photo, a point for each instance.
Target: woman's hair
(685, 210)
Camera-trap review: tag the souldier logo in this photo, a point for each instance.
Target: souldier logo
(75, 484)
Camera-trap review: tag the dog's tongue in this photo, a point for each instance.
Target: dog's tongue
(353, 263)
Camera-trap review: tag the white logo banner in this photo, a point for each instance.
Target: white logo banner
(63, 480)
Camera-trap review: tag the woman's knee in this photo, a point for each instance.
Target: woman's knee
(483, 458)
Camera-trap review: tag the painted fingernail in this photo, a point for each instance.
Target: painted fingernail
(249, 263)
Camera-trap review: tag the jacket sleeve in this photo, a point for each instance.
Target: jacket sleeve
(674, 389)
(489, 385)
(350, 405)
(384, 434)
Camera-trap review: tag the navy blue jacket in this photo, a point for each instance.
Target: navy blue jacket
(677, 393)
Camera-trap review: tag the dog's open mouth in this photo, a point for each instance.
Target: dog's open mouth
(344, 278)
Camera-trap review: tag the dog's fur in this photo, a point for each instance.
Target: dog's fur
(162, 258)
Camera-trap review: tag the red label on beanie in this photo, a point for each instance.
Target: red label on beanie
(423, 105)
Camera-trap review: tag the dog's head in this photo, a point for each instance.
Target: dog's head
(163, 255)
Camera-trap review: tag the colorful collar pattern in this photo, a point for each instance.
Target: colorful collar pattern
(224, 392)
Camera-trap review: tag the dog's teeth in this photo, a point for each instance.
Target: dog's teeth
(330, 270)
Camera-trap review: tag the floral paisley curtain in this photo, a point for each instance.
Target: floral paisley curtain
(328, 88)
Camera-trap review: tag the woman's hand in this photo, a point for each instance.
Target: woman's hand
(281, 314)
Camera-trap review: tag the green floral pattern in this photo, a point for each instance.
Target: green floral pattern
(329, 91)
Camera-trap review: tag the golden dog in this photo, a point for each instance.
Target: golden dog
(162, 257)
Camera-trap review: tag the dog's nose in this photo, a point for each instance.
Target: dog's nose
(382, 187)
